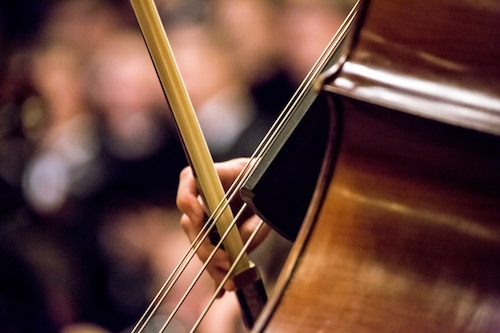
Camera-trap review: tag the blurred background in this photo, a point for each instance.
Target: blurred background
(90, 157)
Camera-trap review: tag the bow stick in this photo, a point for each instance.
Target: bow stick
(249, 287)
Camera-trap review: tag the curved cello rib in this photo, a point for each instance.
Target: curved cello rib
(403, 233)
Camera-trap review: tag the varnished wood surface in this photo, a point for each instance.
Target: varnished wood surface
(408, 238)
(408, 235)
(437, 59)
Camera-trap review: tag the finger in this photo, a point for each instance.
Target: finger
(248, 227)
(219, 264)
(187, 197)
(228, 171)
(191, 228)
(218, 269)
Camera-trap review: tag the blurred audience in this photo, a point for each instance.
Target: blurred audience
(306, 28)
(90, 156)
(217, 92)
(252, 32)
(138, 136)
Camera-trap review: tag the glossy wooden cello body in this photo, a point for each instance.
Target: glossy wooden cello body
(403, 231)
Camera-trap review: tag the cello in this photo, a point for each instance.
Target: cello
(399, 230)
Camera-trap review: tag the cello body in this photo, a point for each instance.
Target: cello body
(403, 230)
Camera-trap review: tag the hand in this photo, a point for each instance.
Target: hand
(190, 204)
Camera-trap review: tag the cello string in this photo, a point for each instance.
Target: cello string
(203, 268)
(227, 276)
(173, 278)
(263, 147)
